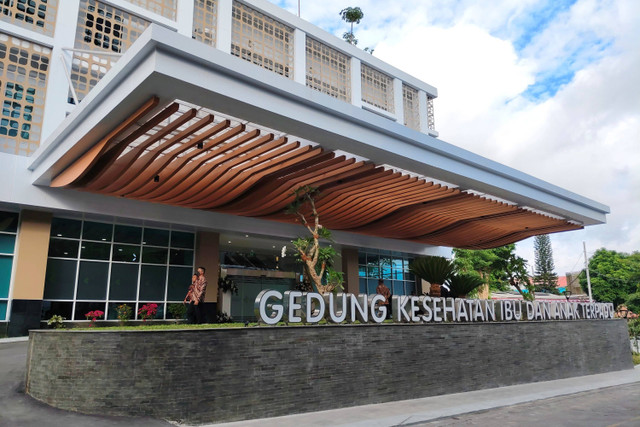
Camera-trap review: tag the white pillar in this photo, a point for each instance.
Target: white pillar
(422, 102)
(224, 26)
(398, 105)
(356, 82)
(184, 17)
(300, 56)
(55, 105)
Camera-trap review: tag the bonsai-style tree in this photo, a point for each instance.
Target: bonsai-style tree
(434, 269)
(352, 15)
(317, 260)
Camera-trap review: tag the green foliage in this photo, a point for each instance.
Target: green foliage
(633, 302)
(223, 317)
(614, 276)
(177, 310)
(56, 321)
(634, 332)
(225, 284)
(124, 313)
(433, 269)
(460, 285)
(636, 358)
(544, 279)
(499, 267)
(351, 15)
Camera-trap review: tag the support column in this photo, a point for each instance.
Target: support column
(350, 270)
(300, 56)
(356, 82)
(208, 256)
(224, 26)
(32, 247)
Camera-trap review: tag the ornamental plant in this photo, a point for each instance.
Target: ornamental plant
(124, 313)
(93, 316)
(147, 311)
(56, 321)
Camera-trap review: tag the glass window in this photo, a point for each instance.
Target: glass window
(362, 271)
(153, 255)
(152, 283)
(372, 284)
(5, 275)
(7, 243)
(180, 257)
(124, 282)
(60, 279)
(181, 239)
(70, 228)
(363, 286)
(156, 237)
(178, 283)
(83, 308)
(94, 250)
(398, 288)
(63, 248)
(127, 234)
(49, 308)
(8, 222)
(3, 310)
(126, 253)
(362, 257)
(97, 231)
(92, 280)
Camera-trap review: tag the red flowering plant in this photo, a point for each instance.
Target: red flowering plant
(93, 315)
(147, 311)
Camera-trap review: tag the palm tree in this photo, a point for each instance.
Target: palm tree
(434, 269)
(460, 285)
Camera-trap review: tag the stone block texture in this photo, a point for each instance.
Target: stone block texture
(214, 375)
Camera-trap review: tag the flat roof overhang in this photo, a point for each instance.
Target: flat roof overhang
(138, 134)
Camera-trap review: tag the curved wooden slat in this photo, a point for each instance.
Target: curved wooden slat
(81, 166)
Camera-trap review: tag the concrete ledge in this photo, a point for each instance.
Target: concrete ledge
(218, 375)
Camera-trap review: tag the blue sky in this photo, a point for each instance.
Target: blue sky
(551, 88)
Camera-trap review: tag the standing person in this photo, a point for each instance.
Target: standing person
(199, 290)
(190, 300)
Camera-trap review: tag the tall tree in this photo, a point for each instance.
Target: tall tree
(544, 278)
(351, 15)
(614, 275)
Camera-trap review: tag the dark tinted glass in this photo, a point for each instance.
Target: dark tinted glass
(60, 279)
(159, 312)
(8, 221)
(5, 275)
(127, 234)
(178, 283)
(126, 253)
(95, 250)
(92, 280)
(63, 248)
(152, 283)
(7, 243)
(97, 231)
(50, 308)
(156, 237)
(180, 257)
(124, 282)
(113, 310)
(83, 308)
(61, 227)
(180, 239)
(153, 255)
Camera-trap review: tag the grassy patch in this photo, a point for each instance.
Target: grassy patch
(636, 358)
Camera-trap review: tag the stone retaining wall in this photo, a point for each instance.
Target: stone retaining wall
(211, 375)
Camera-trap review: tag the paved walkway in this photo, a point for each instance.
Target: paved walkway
(607, 395)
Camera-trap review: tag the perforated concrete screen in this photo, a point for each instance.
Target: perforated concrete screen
(411, 107)
(205, 16)
(24, 68)
(101, 28)
(328, 70)
(36, 15)
(431, 120)
(377, 88)
(262, 40)
(166, 8)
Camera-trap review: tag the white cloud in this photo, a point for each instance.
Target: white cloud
(585, 137)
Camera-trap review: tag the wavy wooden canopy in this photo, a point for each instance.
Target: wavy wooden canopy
(184, 157)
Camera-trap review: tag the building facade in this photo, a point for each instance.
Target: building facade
(140, 139)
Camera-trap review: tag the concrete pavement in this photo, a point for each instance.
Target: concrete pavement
(612, 396)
